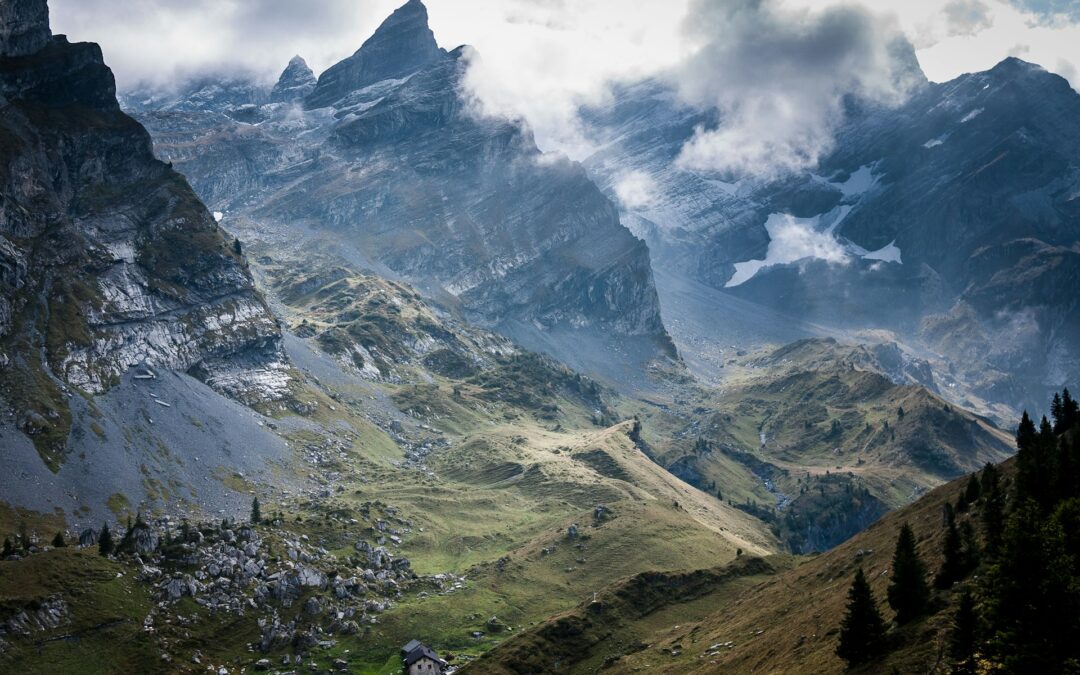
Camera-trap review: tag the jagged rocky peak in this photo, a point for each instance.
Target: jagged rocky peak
(296, 82)
(24, 27)
(402, 45)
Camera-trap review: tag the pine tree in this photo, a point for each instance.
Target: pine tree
(256, 513)
(993, 508)
(105, 542)
(971, 552)
(1032, 595)
(908, 591)
(58, 540)
(962, 638)
(952, 568)
(236, 247)
(971, 492)
(9, 548)
(1027, 457)
(862, 631)
(1057, 411)
(1070, 411)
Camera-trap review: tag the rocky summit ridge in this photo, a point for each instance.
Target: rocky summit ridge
(402, 45)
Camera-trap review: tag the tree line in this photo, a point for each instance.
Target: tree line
(1010, 571)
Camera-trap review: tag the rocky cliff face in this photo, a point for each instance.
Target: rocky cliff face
(24, 27)
(402, 45)
(404, 174)
(296, 82)
(108, 260)
(915, 210)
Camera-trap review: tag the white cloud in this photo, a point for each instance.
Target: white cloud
(542, 58)
(779, 75)
(636, 190)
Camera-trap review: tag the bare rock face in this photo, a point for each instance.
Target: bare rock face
(402, 45)
(24, 27)
(107, 258)
(394, 163)
(296, 82)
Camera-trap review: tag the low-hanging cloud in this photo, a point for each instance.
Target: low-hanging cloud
(542, 59)
(161, 41)
(779, 75)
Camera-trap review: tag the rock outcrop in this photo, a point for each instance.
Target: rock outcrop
(107, 257)
(24, 27)
(296, 82)
(397, 166)
(402, 45)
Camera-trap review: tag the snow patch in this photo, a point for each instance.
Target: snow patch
(860, 181)
(971, 115)
(934, 142)
(887, 253)
(792, 239)
(218, 215)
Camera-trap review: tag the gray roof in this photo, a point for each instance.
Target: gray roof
(422, 652)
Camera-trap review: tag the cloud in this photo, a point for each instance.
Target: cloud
(779, 75)
(161, 40)
(542, 59)
(1050, 11)
(967, 17)
(636, 190)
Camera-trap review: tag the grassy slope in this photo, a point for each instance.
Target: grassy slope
(787, 623)
(527, 449)
(830, 419)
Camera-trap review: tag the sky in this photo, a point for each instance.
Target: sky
(777, 68)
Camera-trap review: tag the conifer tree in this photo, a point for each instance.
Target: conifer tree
(58, 540)
(1070, 410)
(971, 492)
(993, 508)
(908, 591)
(24, 537)
(256, 513)
(862, 631)
(971, 552)
(105, 542)
(962, 638)
(1033, 598)
(1027, 457)
(952, 567)
(9, 548)
(1057, 412)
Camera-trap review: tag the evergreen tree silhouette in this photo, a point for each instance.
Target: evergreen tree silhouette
(908, 591)
(952, 567)
(862, 631)
(962, 638)
(105, 542)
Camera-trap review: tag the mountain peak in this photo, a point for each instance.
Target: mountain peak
(296, 81)
(402, 45)
(24, 27)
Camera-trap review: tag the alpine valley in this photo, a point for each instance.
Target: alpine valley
(295, 373)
